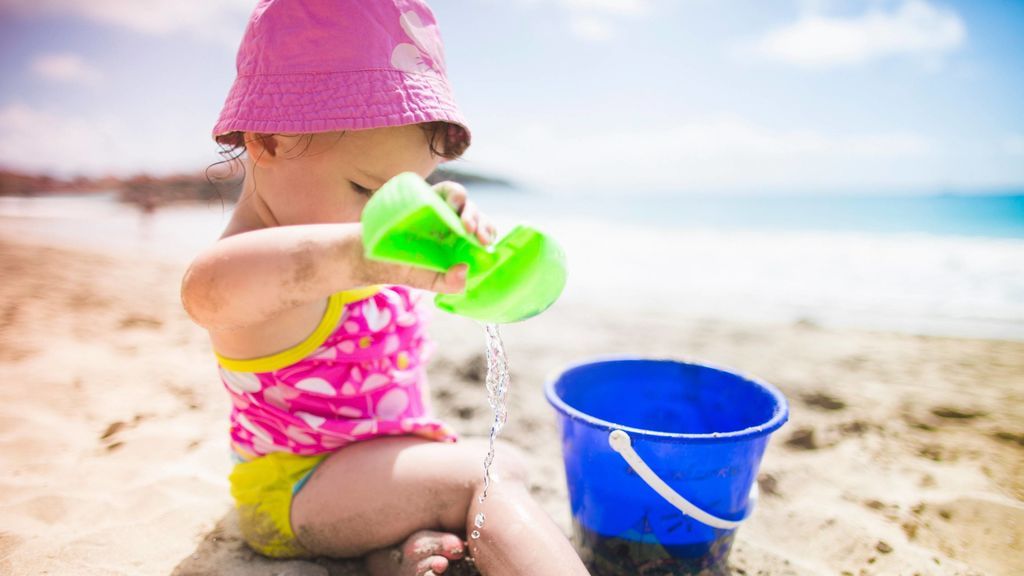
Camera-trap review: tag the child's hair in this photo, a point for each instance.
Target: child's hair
(447, 140)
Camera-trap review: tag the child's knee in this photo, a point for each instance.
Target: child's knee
(509, 463)
(466, 477)
(513, 464)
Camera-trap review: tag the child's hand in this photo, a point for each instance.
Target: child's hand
(474, 220)
(452, 281)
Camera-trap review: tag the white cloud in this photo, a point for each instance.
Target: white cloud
(34, 140)
(915, 27)
(215, 20)
(591, 28)
(40, 141)
(594, 20)
(728, 153)
(65, 67)
(624, 7)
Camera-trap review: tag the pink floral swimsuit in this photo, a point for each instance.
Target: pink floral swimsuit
(361, 374)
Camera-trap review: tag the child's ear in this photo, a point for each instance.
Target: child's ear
(261, 147)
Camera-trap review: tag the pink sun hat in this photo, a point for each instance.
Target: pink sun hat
(324, 65)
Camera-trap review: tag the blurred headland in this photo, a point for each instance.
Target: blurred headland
(149, 191)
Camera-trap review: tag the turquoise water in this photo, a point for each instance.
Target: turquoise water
(982, 215)
(940, 264)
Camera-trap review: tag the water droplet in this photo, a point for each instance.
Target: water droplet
(497, 383)
(475, 534)
(479, 520)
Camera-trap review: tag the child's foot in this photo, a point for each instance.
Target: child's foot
(425, 553)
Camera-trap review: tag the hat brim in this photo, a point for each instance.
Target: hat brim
(325, 102)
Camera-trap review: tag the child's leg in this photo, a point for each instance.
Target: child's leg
(375, 494)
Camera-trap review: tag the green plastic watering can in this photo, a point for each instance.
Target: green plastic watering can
(407, 222)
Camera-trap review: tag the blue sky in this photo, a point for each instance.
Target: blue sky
(828, 96)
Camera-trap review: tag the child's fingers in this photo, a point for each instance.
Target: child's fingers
(452, 281)
(470, 217)
(473, 220)
(485, 231)
(476, 223)
(453, 193)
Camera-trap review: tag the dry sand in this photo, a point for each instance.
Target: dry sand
(904, 454)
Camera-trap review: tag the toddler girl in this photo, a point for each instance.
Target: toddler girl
(323, 352)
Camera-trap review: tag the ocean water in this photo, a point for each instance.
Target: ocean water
(946, 265)
(979, 215)
(951, 265)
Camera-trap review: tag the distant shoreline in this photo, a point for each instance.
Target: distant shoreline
(151, 192)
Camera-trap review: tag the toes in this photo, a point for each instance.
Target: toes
(432, 566)
(423, 543)
(430, 551)
(430, 543)
(452, 547)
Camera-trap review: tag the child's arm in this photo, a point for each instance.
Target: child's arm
(248, 279)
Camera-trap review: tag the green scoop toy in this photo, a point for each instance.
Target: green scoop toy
(407, 222)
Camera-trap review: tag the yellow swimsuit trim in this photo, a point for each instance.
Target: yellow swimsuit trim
(263, 490)
(335, 306)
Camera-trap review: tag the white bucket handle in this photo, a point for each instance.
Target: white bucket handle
(623, 444)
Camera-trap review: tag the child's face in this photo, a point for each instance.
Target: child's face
(330, 180)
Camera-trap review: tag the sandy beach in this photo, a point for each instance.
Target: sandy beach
(904, 454)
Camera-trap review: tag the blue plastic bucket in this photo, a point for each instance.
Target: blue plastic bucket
(661, 459)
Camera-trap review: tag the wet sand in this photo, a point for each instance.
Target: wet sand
(904, 454)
